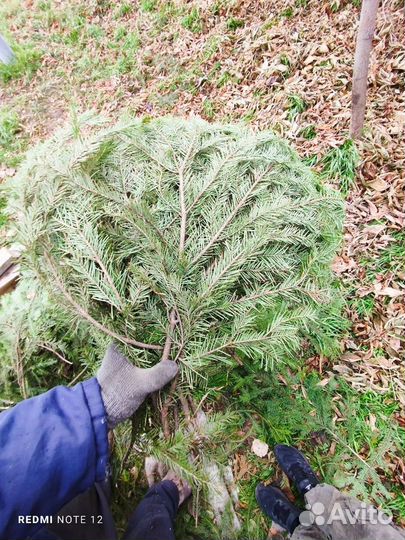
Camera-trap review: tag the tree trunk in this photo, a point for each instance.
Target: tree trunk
(361, 60)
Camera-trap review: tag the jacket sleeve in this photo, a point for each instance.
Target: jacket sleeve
(52, 447)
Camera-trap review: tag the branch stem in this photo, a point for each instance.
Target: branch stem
(182, 198)
(60, 356)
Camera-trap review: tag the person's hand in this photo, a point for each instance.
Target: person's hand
(125, 386)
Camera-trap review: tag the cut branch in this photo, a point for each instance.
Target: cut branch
(164, 414)
(168, 343)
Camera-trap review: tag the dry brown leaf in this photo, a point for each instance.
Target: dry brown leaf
(379, 185)
(379, 290)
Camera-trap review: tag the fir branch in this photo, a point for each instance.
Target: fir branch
(84, 315)
(214, 177)
(99, 261)
(222, 226)
(231, 216)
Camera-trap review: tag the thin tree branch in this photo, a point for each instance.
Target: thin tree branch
(20, 366)
(50, 349)
(173, 318)
(168, 343)
(185, 406)
(164, 414)
(72, 382)
(183, 209)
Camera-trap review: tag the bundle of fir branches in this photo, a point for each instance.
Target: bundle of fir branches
(208, 244)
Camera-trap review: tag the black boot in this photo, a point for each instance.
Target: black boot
(276, 506)
(296, 467)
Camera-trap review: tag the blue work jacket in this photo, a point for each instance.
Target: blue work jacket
(52, 447)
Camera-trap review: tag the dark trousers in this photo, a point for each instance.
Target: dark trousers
(153, 518)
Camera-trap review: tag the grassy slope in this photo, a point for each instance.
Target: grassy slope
(286, 66)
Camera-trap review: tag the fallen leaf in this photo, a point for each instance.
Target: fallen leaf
(241, 467)
(341, 264)
(310, 60)
(374, 229)
(323, 48)
(379, 290)
(378, 185)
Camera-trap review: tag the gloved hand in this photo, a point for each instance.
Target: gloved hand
(124, 386)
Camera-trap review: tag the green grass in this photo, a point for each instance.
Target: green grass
(288, 13)
(286, 61)
(26, 63)
(341, 163)
(9, 126)
(364, 306)
(164, 13)
(209, 109)
(192, 21)
(12, 140)
(296, 106)
(211, 47)
(310, 424)
(336, 5)
(233, 24)
(125, 9)
(249, 116)
(148, 5)
(309, 132)
(3, 216)
(388, 260)
(224, 79)
(311, 160)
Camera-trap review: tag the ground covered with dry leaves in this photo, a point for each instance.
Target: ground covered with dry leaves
(284, 65)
